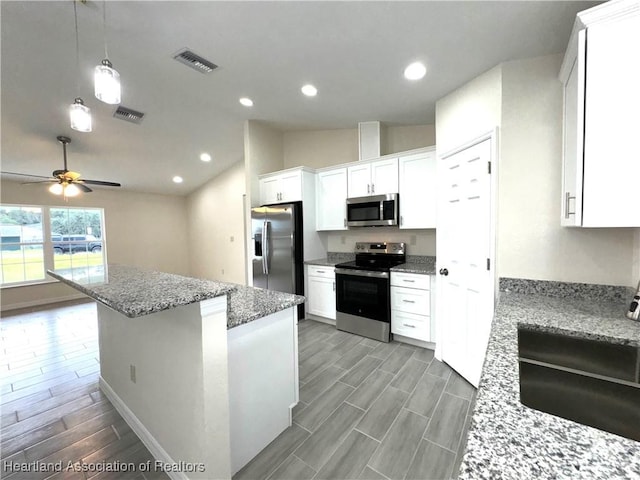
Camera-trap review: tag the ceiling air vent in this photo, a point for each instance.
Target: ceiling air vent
(128, 115)
(195, 61)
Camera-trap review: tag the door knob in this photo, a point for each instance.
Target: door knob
(444, 271)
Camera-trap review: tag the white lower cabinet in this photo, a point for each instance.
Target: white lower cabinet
(411, 305)
(321, 291)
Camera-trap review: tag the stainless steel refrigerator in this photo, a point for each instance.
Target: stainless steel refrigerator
(277, 248)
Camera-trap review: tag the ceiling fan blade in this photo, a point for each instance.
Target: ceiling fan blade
(100, 182)
(82, 187)
(24, 174)
(52, 180)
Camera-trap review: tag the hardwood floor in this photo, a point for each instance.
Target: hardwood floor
(368, 410)
(52, 410)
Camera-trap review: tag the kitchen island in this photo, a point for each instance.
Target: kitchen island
(508, 440)
(204, 372)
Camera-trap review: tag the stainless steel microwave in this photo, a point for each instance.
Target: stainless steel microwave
(373, 211)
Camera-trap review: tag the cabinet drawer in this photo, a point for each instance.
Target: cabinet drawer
(411, 280)
(411, 325)
(410, 300)
(320, 271)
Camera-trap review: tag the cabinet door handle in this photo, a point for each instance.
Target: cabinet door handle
(413, 326)
(401, 220)
(373, 188)
(413, 281)
(320, 271)
(368, 188)
(413, 301)
(345, 222)
(334, 286)
(567, 200)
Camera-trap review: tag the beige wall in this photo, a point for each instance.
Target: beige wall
(470, 111)
(324, 148)
(145, 230)
(532, 244)
(263, 153)
(216, 227)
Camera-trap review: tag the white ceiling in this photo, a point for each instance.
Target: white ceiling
(353, 52)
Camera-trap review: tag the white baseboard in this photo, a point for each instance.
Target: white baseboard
(413, 341)
(328, 321)
(140, 430)
(42, 301)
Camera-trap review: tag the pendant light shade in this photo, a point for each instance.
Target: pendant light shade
(107, 83)
(80, 116)
(71, 190)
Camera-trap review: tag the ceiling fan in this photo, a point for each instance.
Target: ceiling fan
(66, 182)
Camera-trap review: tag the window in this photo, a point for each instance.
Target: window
(37, 238)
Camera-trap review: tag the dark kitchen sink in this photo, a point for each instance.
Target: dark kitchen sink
(592, 382)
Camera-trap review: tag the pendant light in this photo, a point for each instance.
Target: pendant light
(106, 78)
(79, 113)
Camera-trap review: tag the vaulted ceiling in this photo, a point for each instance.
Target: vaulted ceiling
(353, 52)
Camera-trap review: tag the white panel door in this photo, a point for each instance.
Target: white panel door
(464, 237)
(269, 190)
(291, 187)
(418, 190)
(612, 125)
(332, 200)
(321, 298)
(571, 210)
(359, 184)
(384, 177)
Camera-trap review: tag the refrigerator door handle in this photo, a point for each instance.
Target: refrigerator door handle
(265, 247)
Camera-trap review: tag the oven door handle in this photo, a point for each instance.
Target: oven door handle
(361, 273)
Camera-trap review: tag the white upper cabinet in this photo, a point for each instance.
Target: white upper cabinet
(281, 187)
(601, 78)
(418, 190)
(374, 178)
(331, 199)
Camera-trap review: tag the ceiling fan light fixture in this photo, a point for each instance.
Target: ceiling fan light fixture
(71, 190)
(56, 189)
(80, 116)
(107, 83)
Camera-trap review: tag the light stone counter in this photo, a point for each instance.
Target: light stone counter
(508, 440)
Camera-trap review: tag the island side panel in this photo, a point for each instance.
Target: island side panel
(263, 382)
(179, 400)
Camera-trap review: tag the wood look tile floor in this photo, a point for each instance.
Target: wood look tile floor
(368, 410)
(52, 409)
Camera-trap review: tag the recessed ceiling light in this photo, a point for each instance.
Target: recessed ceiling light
(309, 90)
(205, 157)
(177, 179)
(415, 71)
(247, 102)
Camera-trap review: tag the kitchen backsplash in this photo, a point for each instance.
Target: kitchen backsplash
(565, 289)
(419, 242)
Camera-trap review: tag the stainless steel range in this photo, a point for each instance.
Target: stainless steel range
(363, 293)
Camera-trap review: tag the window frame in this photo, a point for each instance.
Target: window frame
(48, 255)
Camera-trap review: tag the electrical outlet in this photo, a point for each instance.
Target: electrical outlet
(413, 240)
(231, 239)
(132, 373)
(343, 239)
(223, 271)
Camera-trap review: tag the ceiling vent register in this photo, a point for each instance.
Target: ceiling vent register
(128, 115)
(195, 61)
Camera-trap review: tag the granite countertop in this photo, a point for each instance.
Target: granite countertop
(424, 265)
(510, 441)
(324, 262)
(135, 292)
(247, 304)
